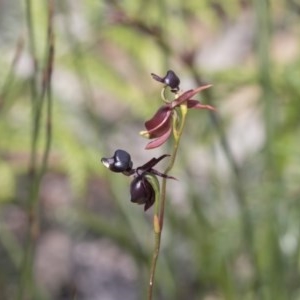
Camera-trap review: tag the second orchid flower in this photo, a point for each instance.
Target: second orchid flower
(160, 126)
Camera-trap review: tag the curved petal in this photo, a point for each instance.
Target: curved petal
(157, 78)
(159, 141)
(151, 163)
(159, 124)
(189, 94)
(196, 104)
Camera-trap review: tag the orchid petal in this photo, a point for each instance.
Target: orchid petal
(196, 104)
(189, 94)
(152, 162)
(159, 141)
(157, 78)
(159, 124)
(155, 172)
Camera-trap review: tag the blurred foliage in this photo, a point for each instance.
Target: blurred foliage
(233, 218)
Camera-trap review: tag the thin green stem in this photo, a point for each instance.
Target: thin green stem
(47, 79)
(8, 82)
(171, 164)
(27, 289)
(157, 237)
(25, 268)
(159, 218)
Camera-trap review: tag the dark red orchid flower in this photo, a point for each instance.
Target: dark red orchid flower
(159, 127)
(141, 190)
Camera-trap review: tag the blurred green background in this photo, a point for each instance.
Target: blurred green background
(67, 227)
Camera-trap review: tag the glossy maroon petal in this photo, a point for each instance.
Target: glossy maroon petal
(155, 172)
(151, 163)
(160, 123)
(189, 94)
(159, 141)
(196, 104)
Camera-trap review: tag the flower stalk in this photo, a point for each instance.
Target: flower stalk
(158, 219)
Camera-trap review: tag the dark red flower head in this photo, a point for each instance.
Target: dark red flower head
(141, 190)
(159, 127)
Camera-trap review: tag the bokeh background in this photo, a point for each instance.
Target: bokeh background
(67, 227)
